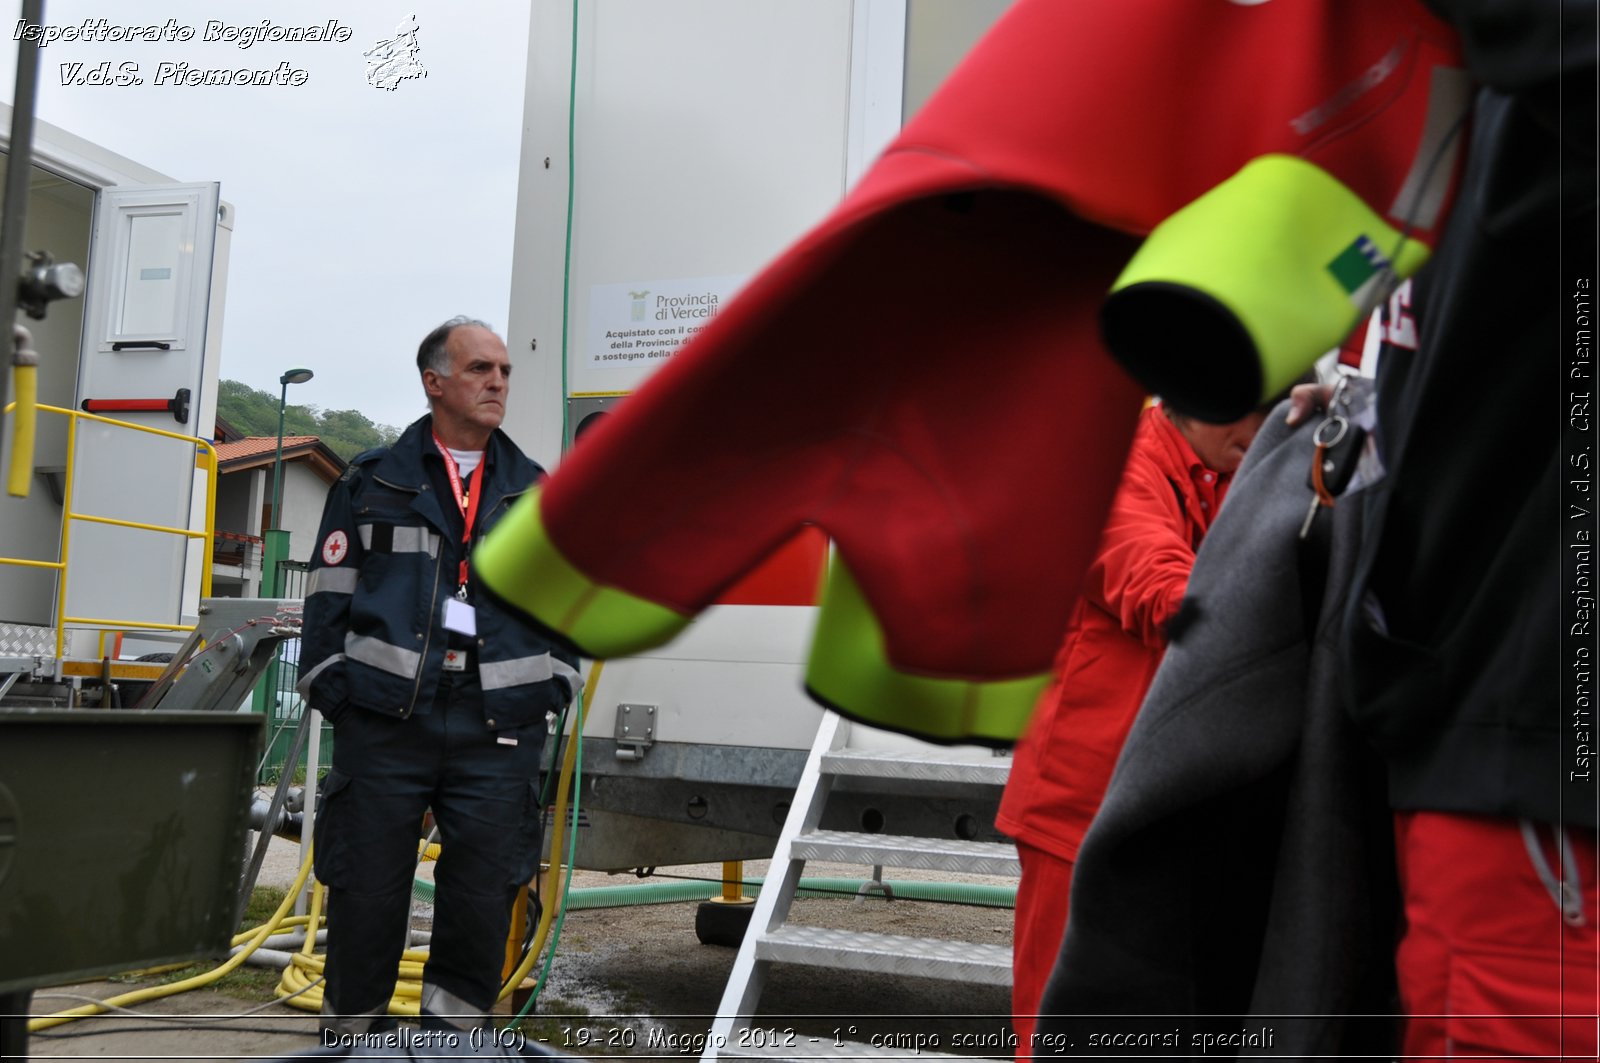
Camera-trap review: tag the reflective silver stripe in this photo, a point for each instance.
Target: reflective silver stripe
(1421, 196)
(443, 1004)
(381, 655)
(303, 688)
(407, 540)
(333, 581)
(416, 541)
(497, 675)
(570, 674)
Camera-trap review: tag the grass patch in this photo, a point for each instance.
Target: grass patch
(244, 981)
(264, 900)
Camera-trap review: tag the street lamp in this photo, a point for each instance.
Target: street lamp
(293, 376)
(276, 544)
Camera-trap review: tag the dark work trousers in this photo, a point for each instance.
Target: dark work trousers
(484, 794)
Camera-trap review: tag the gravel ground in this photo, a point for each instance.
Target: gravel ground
(624, 981)
(641, 973)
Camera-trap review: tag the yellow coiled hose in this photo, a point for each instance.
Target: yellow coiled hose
(300, 985)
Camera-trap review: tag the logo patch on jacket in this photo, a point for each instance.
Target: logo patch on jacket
(335, 547)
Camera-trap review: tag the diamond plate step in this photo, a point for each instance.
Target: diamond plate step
(894, 850)
(926, 767)
(955, 961)
(27, 640)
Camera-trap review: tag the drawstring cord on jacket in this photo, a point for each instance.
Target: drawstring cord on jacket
(1567, 891)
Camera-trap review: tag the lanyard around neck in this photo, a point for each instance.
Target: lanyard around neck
(466, 499)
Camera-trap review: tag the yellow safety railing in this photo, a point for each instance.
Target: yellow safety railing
(206, 459)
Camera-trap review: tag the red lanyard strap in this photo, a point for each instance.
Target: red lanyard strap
(466, 500)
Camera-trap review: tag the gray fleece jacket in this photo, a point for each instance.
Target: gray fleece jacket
(1240, 870)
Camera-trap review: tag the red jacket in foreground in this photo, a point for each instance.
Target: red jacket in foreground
(957, 428)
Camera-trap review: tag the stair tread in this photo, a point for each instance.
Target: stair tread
(927, 766)
(893, 953)
(895, 850)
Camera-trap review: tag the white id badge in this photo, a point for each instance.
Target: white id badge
(459, 617)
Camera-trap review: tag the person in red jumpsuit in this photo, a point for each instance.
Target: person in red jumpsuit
(1175, 478)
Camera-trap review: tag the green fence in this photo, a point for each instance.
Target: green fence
(282, 703)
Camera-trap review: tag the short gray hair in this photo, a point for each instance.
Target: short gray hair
(431, 353)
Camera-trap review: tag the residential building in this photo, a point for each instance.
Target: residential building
(244, 502)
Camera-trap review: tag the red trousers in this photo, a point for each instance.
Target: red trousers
(1489, 966)
(1041, 920)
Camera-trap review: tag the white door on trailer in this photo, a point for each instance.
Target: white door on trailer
(144, 338)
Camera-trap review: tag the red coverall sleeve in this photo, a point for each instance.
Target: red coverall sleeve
(1144, 558)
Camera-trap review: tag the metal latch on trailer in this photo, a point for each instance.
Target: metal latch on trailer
(635, 730)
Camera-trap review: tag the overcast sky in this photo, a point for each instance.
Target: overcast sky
(364, 216)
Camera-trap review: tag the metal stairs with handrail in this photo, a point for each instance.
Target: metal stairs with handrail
(772, 939)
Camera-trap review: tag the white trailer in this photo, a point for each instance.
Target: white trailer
(78, 558)
(669, 151)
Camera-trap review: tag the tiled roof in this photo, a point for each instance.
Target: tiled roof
(258, 446)
(257, 452)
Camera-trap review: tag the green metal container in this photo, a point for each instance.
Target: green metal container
(122, 839)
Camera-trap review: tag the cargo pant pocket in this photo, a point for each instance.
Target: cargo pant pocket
(330, 849)
(530, 837)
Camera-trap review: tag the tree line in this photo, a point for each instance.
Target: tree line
(255, 413)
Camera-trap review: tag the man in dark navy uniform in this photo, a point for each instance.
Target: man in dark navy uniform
(438, 698)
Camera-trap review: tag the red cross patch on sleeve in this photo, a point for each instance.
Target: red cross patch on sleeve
(335, 547)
